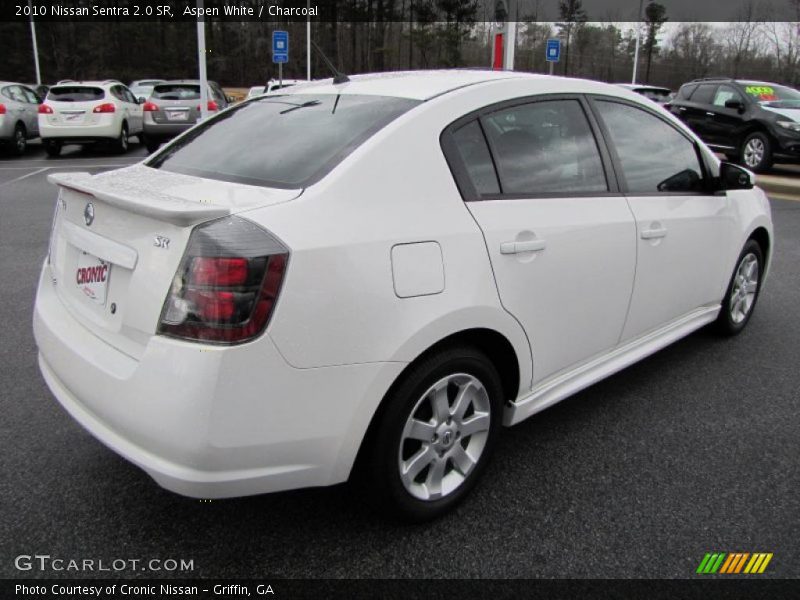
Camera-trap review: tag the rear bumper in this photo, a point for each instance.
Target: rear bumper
(79, 133)
(206, 421)
(163, 131)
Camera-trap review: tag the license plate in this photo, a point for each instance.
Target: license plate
(91, 276)
(73, 116)
(178, 115)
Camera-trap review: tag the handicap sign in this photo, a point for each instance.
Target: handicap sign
(553, 50)
(280, 46)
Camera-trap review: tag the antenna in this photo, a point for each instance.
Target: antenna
(338, 76)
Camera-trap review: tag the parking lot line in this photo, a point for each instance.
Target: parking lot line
(21, 177)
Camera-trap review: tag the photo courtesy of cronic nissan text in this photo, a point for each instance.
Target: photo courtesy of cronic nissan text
(399, 299)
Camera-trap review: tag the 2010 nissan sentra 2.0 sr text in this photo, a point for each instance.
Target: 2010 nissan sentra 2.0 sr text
(376, 276)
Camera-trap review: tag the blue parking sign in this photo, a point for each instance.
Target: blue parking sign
(553, 50)
(280, 46)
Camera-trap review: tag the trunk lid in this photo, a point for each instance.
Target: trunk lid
(118, 239)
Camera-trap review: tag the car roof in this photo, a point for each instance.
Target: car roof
(645, 86)
(71, 83)
(181, 81)
(415, 85)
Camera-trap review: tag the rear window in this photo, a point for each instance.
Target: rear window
(73, 93)
(654, 94)
(176, 91)
(285, 141)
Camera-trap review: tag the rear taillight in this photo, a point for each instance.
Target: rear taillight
(44, 109)
(211, 105)
(2, 109)
(226, 285)
(106, 107)
(149, 107)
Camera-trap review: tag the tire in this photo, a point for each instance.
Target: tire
(20, 142)
(743, 290)
(53, 148)
(121, 143)
(756, 152)
(151, 144)
(415, 477)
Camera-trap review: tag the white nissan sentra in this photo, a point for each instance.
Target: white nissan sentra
(376, 276)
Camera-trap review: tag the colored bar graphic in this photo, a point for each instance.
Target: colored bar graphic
(734, 563)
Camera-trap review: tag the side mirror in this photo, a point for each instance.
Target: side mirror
(734, 177)
(735, 105)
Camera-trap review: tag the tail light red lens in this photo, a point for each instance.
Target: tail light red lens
(227, 283)
(2, 109)
(106, 107)
(149, 107)
(211, 106)
(44, 109)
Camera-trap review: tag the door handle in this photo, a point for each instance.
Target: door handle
(652, 234)
(682, 108)
(710, 114)
(519, 247)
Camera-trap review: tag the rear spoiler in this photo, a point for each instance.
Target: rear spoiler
(163, 207)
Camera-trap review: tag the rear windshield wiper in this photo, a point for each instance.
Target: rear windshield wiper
(303, 105)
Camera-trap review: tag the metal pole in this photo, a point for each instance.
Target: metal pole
(308, 42)
(201, 60)
(280, 75)
(638, 34)
(35, 48)
(552, 65)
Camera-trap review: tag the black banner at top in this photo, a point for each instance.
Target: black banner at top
(382, 11)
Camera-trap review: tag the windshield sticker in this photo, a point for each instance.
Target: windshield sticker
(762, 92)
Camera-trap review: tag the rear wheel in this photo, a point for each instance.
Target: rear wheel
(435, 437)
(20, 139)
(757, 152)
(151, 144)
(52, 147)
(121, 143)
(740, 299)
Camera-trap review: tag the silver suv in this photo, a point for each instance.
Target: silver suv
(174, 106)
(19, 107)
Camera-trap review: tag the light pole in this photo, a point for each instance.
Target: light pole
(308, 41)
(201, 61)
(35, 49)
(638, 34)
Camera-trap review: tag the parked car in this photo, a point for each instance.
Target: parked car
(142, 88)
(256, 90)
(374, 277)
(174, 107)
(659, 95)
(89, 112)
(273, 85)
(753, 122)
(19, 105)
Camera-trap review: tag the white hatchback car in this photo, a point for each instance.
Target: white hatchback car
(88, 112)
(380, 274)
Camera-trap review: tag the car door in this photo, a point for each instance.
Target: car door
(32, 113)
(727, 124)
(135, 110)
(15, 104)
(560, 237)
(695, 111)
(684, 230)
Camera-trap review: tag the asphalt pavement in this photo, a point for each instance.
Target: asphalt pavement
(694, 450)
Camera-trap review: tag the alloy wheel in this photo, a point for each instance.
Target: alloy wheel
(754, 152)
(444, 436)
(745, 286)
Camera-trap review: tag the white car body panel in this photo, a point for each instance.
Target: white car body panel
(290, 408)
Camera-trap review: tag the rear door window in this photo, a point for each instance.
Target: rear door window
(75, 94)
(472, 148)
(545, 147)
(285, 141)
(704, 93)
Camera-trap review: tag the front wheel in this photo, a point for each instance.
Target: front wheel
(740, 299)
(756, 152)
(435, 437)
